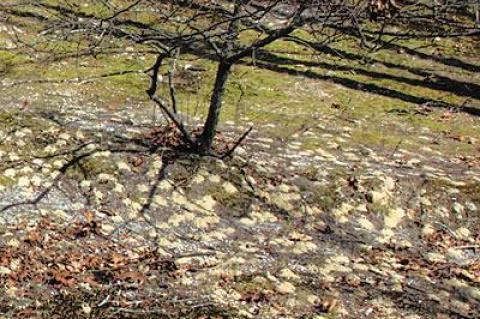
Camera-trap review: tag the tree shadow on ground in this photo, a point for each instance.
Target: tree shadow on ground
(445, 60)
(431, 81)
(369, 87)
(333, 238)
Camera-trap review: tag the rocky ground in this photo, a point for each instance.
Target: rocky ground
(357, 194)
(101, 220)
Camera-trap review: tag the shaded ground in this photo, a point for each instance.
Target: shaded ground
(344, 203)
(339, 231)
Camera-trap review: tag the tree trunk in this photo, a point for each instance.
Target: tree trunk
(210, 127)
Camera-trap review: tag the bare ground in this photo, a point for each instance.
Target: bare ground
(108, 224)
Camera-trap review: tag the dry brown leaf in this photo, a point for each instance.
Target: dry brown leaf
(89, 216)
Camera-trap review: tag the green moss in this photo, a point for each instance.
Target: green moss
(325, 197)
(472, 191)
(6, 181)
(376, 138)
(250, 285)
(91, 167)
(8, 60)
(236, 203)
(379, 209)
(262, 96)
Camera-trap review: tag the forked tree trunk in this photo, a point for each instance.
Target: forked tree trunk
(210, 127)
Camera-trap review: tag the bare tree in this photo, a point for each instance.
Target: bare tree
(229, 31)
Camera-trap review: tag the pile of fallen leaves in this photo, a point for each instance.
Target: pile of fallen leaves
(73, 270)
(433, 285)
(168, 136)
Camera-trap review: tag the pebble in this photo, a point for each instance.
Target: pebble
(378, 197)
(229, 188)
(457, 208)
(428, 230)
(471, 207)
(285, 288)
(463, 233)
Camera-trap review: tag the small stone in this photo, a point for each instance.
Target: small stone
(425, 202)
(386, 236)
(288, 274)
(457, 183)
(462, 233)
(365, 224)
(240, 151)
(85, 184)
(404, 244)
(157, 163)
(457, 256)
(64, 136)
(15, 264)
(10, 173)
(394, 217)
(117, 219)
(324, 154)
(59, 163)
(471, 207)
(285, 288)
(474, 293)
(36, 180)
(229, 188)
(123, 166)
(86, 309)
(107, 229)
(207, 202)
(4, 271)
(362, 208)
(428, 230)
(442, 211)
(119, 188)
(11, 292)
(352, 157)
(434, 258)
(283, 188)
(198, 179)
(389, 183)
(413, 162)
(281, 202)
(60, 214)
(353, 280)
(247, 221)
(152, 234)
(142, 188)
(160, 200)
(260, 280)
(378, 197)
(312, 299)
(79, 135)
(103, 177)
(457, 208)
(214, 179)
(23, 181)
(453, 191)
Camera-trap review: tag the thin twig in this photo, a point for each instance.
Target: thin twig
(239, 141)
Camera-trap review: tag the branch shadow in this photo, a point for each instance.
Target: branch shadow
(368, 87)
(437, 82)
(449, 61)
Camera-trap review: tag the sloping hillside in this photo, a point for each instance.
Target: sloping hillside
(356, 195)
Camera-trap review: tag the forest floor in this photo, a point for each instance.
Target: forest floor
(357, 194)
